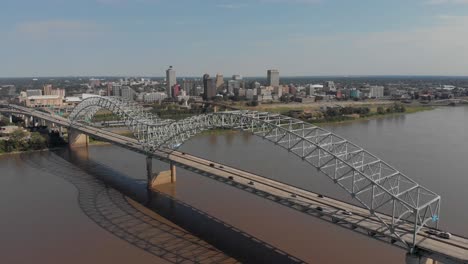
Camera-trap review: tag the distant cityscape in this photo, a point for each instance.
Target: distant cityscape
(68, 92)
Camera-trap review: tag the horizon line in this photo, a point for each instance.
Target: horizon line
(286, 76)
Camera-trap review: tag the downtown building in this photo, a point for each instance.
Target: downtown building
(219, 82)
(128, 93)
(273, 78)
(209, 87)
(170, 81)
(154, 97)
(376, 91)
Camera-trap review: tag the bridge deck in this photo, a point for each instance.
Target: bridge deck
(454, 250)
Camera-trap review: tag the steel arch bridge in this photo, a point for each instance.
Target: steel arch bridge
(388, 194)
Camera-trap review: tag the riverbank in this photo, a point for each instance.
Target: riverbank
(375, 115)
(28, 151)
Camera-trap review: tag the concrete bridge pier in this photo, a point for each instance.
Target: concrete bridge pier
(163, 177)
(416, 259)
(26, 120)
(11, 118)
(149, 172)
(77, 139)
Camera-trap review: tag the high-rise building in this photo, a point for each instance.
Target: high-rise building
(47, 90)
(35, 92)
(219, 82)
(116, 90)
(209, 87)
(273, 78)
(175, 90)
(170, 80)
(376, 91)
(109, 89)
(237, 77)
(187, 85)
(330, 86)
(255, 85)
(233, 85)
(128, 93)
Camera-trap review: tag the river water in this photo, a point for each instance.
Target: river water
(42, 220)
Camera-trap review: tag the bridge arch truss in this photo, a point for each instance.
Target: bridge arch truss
(373, 183)
(135, 118)
(402, 206)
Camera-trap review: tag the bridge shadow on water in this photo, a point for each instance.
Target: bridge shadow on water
(197, 238)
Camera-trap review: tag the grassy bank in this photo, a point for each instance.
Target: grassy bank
(374, 115)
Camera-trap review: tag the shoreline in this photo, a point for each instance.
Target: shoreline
(95, 143)
(331, 123)
(28, 151)
(372, 117)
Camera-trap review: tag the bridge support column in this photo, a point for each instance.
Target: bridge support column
(149, 172)
(215, 109)
(77, 139)
(163, 177)
(173, 173)
(26, 121)
(11, 118)
(415, 259)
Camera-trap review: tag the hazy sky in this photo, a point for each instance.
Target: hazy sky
(298, 37)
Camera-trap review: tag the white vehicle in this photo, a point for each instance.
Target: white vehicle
(346, 212)
(445, 235)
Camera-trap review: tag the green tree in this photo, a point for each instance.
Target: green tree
(331, 112)
(37, 141)
(18, 135)
(380, 110)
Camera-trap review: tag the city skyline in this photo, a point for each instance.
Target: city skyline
(299, 38)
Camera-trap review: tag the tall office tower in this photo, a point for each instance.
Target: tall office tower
(59, 92)
(116, 90)
(376, 91)
(171, 80)
(47, 90)
(330, 86)
(219, 82)
(187, 85)
(237, 77)
(273, 78)
(209, 87)
(109, 89)
(175, 91)
(128, 93)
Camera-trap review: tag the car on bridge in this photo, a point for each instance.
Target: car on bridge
(432, 232)
(445, 235)
(346, 212)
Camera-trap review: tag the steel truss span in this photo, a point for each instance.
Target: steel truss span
(400, 203)
(133, 115)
